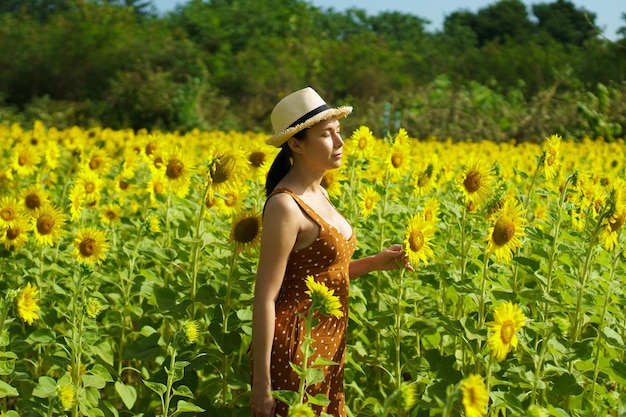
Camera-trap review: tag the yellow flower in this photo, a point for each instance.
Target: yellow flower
(27, 303)
(369, 200)
(300, 410)
(363, 139)
(332, 182)
(93, 307)
(155, 224)
(417, 241)
(616, 218)
(506, 231)
(25, 160)
(190, 330)
(508, 320)
(476, 182)
(178, 168)
(246, 232)
(97, 160)
(475, 396)
(47, 223)
(88, 185)
(550, 156)
(408, 396)
(111, 214)
(9, 211)
(67, 395)
(16, 235)
(34, 197)
(232, 198)
(228, 168)
(322, 298)
(90, 245)
(398, 159)
(432, 210)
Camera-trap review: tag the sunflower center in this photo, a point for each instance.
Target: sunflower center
(223, 169)
(87, 247)
(416, 241)
(423, 179)
(175, 168)
(150, 148)
(328, 180)
(362, 143)
(95, 162)
(550, 157)
(503, 231)
(90, 187)
(13, 233)
(472, 181)
(158, 187)
(123, 185)
(110, 214)
(619, 222)
(231, 199)
(246, 230)
(7, 214)
(369, 202)
(32, 201)
(257, 159)
(158, 161)
(210, 202)
(507, 331)
(396, 160)
(22, 159)
(45, 224)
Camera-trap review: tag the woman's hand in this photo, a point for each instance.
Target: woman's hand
(392, 257)
(262, 404)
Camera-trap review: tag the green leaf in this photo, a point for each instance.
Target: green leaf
(290, 398)
(156, 387)
(183, 391)
(612, 337)
(319, 399)
(104, 351)
(322, 361)
(94, 412)
(42, 336)
(46, 387)
(102, 372)
(566, 384)
(7, 390)
(313, 376)
(186, 407)
(128, 394)
(7, 362)
(95, 381)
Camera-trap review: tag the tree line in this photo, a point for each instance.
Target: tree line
(505, 71)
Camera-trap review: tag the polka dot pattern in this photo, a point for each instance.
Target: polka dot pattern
(327, 259)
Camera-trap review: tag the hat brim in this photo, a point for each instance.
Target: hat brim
(278, 139)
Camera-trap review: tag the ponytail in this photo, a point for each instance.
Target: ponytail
(279, 168)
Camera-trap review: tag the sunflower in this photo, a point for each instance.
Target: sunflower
(432, 210)
(408, 395)
(246, 231)
(423, 179)
(369, 200)
(190, 331)
(34, 197)
(156, 186)
(9, 211)
(67, 395)
(508, 320)
(16, 235)
(231, 199)
(51, 153)
(25, 160)
(476, 183)
(398, 159)
(47, 223)
(507, 230)
(27, 303)
(97, 160)
(475, 396)
(616, 218)
(178, 168)
(301, 410)
(550, 156)
(88, 186)
(93, 307)
(260, 158)
(332, 181)
(228, 168)
(322, 298)
(363, 139)
(111, 214)
(90, 245)
(417, 242)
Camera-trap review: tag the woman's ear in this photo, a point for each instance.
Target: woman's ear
(295, 145)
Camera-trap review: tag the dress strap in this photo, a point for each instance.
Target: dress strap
(304, 206)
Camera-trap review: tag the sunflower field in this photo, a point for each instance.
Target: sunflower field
(128, 266)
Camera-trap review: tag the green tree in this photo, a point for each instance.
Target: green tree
(564, 22)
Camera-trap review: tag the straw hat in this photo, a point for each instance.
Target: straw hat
(299, 110)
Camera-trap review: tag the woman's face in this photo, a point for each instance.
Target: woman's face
(323, 144)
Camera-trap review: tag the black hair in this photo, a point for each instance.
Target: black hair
(281, 164)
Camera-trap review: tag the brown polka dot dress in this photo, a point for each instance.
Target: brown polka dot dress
(327, 259)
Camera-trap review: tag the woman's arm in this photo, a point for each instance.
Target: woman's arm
(278, 236)
(390, 258)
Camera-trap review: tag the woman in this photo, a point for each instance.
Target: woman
(303, 234)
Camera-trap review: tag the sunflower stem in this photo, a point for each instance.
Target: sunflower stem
(226, 313)
(398, 338)
(599, 348)
(195, 265)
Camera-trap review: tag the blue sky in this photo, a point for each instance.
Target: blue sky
(608, 12)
